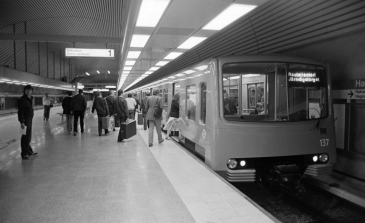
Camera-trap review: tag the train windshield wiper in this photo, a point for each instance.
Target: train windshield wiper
(320, 116)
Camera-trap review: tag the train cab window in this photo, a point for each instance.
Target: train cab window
(203, 101)
(273, 92)
(191, 101)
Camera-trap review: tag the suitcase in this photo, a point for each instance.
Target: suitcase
(127, 129)
(105, 122)
(140, 119)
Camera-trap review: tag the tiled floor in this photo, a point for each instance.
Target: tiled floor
(87, 178)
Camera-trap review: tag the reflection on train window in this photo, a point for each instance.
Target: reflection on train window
(165, 92)
(203, 101)
(273, 92)
(177, 89)
(160, 94)
(191, 101)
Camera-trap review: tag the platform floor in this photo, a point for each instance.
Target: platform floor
(87, 178)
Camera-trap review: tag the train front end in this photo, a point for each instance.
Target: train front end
(276, 119)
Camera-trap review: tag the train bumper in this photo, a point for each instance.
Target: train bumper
(246, 175)
(319, 169)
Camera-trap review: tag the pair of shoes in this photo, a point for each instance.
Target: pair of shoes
(33, 154)
(26, 157)
(99, 134)
(75, 133)
(161, 141)
(150, 145)
(167, 138)
(113, 130)
(82, 131)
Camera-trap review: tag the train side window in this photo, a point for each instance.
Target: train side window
(191, 101)
(230, 96)
(203, 101)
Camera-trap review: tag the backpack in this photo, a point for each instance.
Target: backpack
(158, 111)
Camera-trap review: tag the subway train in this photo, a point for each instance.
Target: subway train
(264, 118)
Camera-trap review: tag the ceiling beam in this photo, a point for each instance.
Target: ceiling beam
(54, 38)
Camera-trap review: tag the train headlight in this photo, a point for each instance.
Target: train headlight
(232, 163)
(315, 158)
(323, 158)
(243, 163)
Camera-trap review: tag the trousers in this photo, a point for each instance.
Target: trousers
(154, 123)
(77, 114)
(26, 139)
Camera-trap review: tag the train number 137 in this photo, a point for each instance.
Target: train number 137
(324, 142)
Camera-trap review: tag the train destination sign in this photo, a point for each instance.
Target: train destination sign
(82, 52)
(304, 78)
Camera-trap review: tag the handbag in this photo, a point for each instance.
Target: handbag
(158, 111)
(51, 105)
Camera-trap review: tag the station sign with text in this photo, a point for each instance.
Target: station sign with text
(94, 53)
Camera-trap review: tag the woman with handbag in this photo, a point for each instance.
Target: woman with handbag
(154, 107)
(47, 103)
(172, 123)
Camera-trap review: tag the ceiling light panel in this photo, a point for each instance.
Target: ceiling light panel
(127, 68)
(191, 42)
(133, 54)
(130, 62)
(229, 15)
(139, 40)
(162, 63)
(150, 12)
(154, 68)
(172, 55)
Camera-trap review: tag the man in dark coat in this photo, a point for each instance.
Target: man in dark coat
(102, 110)
(66, 105)
(229, 108)
(120, 110)
(25, 117)
(110, 101)
(144, 111)
(78, 108)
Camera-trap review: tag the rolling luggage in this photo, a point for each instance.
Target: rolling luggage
(127, 129)
(140, 119)
(105, 122)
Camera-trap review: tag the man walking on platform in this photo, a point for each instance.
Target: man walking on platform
(121, 110)
(25, 117)
(131, 102)
(102, 110)
(78, 108)
(66, 105)
(110, 101)
(144, 111)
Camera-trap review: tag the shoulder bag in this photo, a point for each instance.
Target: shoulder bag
(158, 110)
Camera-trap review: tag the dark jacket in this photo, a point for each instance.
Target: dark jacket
(25, 108)
(121, 108)
(144, 105)
(229, 108)
(175, 107)
(101, 107)
(110, 101)
(66, 105)
(78, 103)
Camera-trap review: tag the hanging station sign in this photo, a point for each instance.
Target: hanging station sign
(82, 52)
(305, 78)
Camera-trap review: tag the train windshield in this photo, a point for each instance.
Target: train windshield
(274, 92)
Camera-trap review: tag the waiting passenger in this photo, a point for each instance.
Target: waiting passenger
(66, 105)
(229, 108)
(172, 123)
(131, 106)
(47, 103)
(144, 111)
(78, 108)
(25, 117)
(153, 121)
(101, 107)
(121, 110)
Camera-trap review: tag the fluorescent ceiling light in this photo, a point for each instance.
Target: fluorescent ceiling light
(133, 54)
(172, 55)
(148, 72)
(87, 73)
(179, 75)
(229, 15)
(201, 67)
(189, 71)
(162, 63)
(130, 62)
(172, 77)
(236, 77)
(191, 42)
(144, 75)
(151, 12)
(154, 68)
(108, 71)
(111, 86)
(97, 72)
(127, 68)
(125, 72)
(251, 75)
(139, 40)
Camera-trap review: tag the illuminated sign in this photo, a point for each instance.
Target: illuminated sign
(303, 78)
(82, 52)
